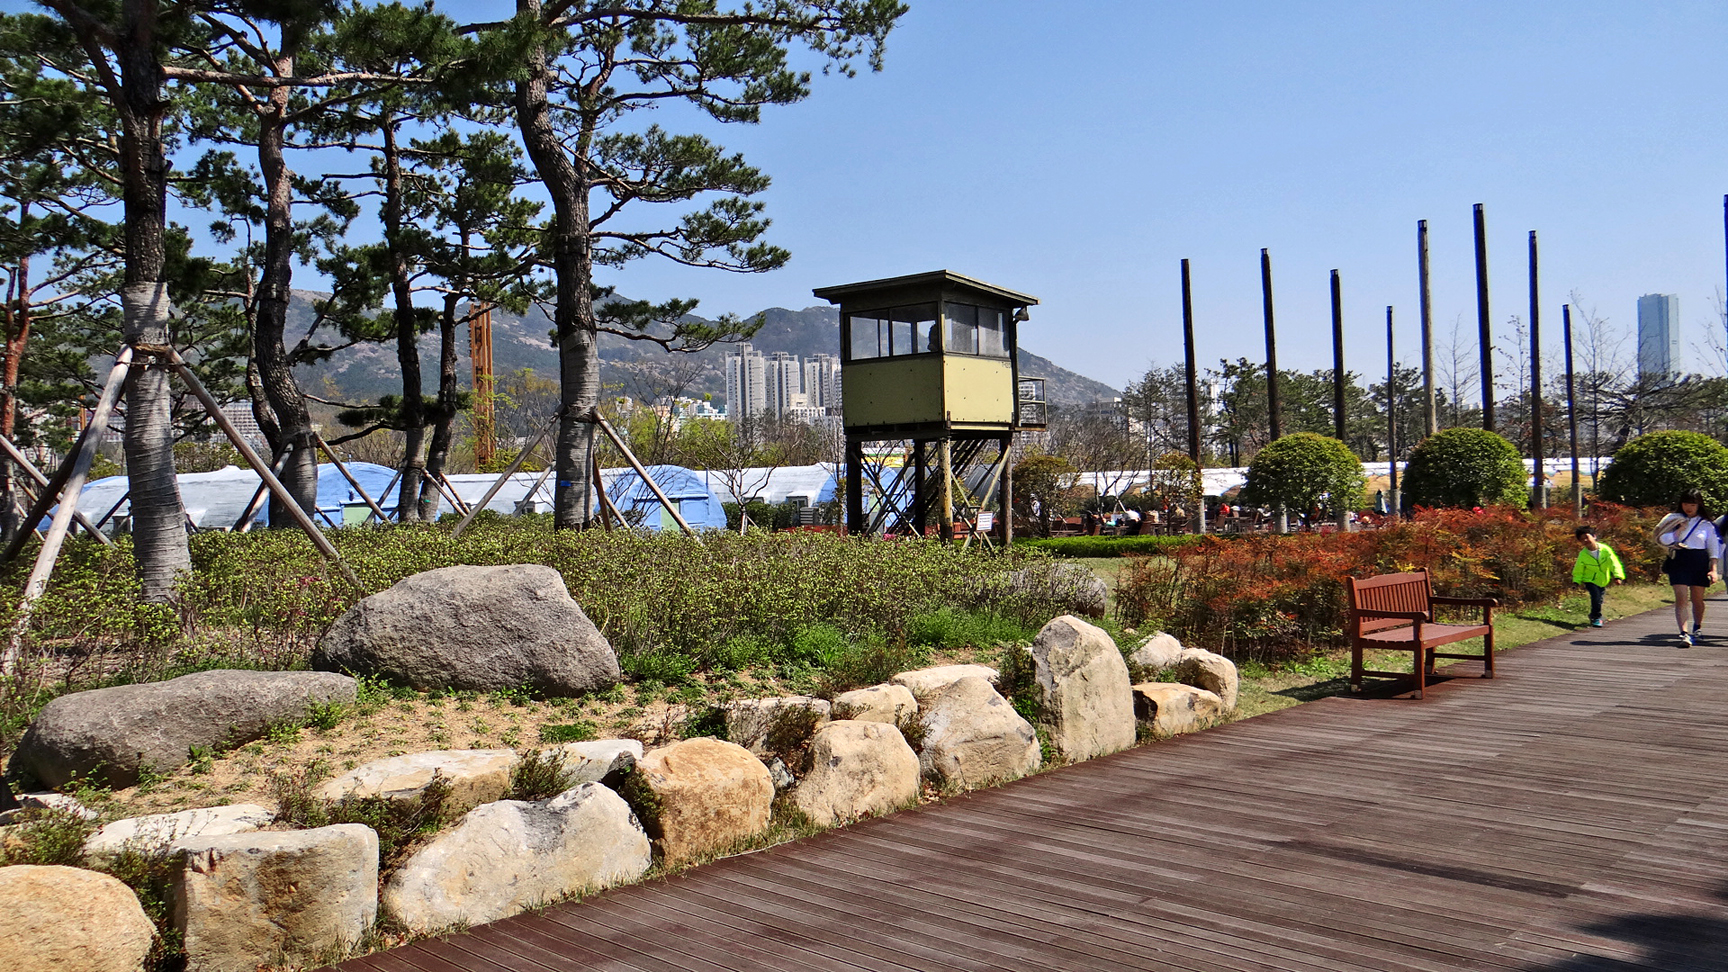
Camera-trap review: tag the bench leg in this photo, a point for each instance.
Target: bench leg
(1421, 669)
(1355, 669)
(1488, 653)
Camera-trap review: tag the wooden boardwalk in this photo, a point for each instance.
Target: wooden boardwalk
(1571, 814)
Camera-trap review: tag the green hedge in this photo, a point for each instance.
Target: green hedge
(1110, 546)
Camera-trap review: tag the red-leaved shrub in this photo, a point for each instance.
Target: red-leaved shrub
(1267, 597)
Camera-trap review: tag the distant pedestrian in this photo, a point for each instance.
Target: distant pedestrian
(1693, 546)
(1597, 567)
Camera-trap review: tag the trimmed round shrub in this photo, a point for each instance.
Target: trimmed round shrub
(1656, 467)
(1302, 471)
(1466, 467)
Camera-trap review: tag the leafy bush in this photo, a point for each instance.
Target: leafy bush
(669, 604)
(1304, 471)
(1109, 546)
(568, 732)
(1655, 468)
(1465, 468)
(538, 776)
(1266, 598)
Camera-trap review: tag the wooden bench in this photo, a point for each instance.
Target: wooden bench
(1395, 612)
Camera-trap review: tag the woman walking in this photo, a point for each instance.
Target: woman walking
(1693, 546)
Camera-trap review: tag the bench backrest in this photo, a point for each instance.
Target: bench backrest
(1388, 592)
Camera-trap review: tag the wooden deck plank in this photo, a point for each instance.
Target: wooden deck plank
(1568, 816)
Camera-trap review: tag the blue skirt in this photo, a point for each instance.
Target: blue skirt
(1688, 568)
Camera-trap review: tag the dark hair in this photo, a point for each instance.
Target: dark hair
(1584, 530)
(1693, 496)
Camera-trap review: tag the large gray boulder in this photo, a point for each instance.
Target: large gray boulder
(67, 919)
(275, 897)
(927, 683)
(1088, 702)
(857, 769)
(973, 737)
(508, 856)
(474, 628)
(111, 734)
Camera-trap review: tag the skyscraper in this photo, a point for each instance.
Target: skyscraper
(785, 383)
(746, 383)
(822, 381)
(1658, 336)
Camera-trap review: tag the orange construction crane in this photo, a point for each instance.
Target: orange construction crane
(480, 353)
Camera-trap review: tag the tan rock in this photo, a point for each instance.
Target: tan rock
(1172, 708)
(878, 703)
(927, 683)
(593, 762)
(508, 856)
(67, 919)
(707, 796)
(750, 722)
(1088, 702)
(475, 776)
(276, 897)
(973, 737)
(153, 834)
(857, 769)
(1212, 672)
(1156, 652)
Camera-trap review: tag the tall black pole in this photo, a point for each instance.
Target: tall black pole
(1337, 359)
(1572, 412)
(1193, 390)
(1539, 496)
(1485, 332)
(1276, 417)
(1392, 417)
(1430, 413)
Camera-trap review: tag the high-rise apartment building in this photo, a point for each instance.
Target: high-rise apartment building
(822, 381)
(746, 382)
(784, 383)
(1658, 336)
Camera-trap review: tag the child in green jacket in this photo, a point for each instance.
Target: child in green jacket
(1597, 567)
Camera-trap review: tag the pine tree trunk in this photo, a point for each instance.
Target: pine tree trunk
(413, 415)
(573, 267)
(275, 374)
(158, 516)
(439, 451)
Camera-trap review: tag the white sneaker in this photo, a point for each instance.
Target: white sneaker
(1685, 639)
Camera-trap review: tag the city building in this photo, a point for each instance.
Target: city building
(784, 383)
(746, 382)
(822, 382)
(1658, 336)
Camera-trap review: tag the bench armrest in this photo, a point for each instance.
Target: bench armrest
(1487, 602)
(1405, 615)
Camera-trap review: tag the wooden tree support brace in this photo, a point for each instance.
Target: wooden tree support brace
(245, 522)
(498, 484)
(448, 491)
(277, 490)
(51, 492)
(379, 513)
(381, 517)
(78, 467)
(636, 464)
(608, 512)
(41, 481)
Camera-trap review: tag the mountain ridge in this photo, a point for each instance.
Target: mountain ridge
(367, 371)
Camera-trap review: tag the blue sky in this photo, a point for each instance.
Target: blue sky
(1078, 151)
